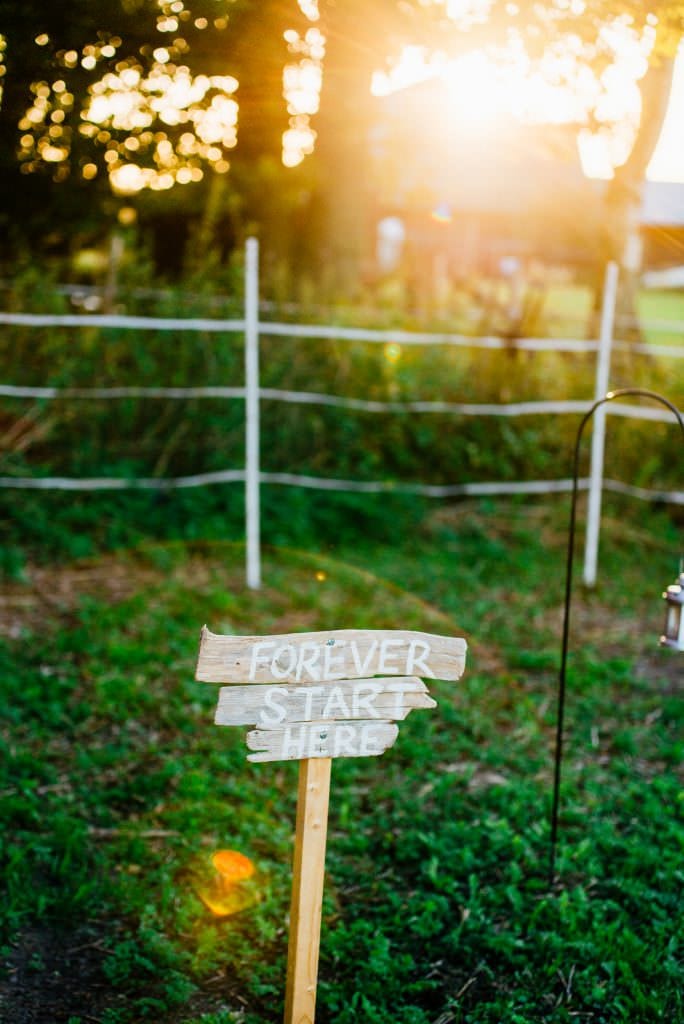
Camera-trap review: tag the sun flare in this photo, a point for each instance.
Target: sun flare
(558, 89)
(153, 124)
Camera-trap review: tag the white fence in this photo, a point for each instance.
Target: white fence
(251, 393)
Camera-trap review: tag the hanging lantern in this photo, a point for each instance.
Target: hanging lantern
(673, 636)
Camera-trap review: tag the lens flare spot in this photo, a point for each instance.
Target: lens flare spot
(227, 886)
(441, 214)
(232, 866)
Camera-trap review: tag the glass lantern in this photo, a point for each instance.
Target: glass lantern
(673, 637)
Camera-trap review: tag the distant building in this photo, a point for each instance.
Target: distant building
(662, 218)
(469, 198)
(453, 198)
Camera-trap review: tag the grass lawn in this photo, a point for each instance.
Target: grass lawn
(667, 306)
(116, 787)
(567, 309)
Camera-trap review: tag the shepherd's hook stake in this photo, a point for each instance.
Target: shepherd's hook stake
(558, 757)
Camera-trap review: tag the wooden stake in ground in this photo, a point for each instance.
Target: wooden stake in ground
(313, 697)
(307, 890)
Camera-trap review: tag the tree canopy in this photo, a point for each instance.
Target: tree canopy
(131, 96)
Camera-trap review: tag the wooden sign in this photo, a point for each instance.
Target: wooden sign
(313, 697)
(318, 657)
(271, 706)
(349, 718)
(322, 739)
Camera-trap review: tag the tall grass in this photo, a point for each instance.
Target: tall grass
(161, 437)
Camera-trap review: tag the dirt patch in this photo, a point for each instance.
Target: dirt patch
(52, 975)
(54, 592)
(663, 669)
(50, 595)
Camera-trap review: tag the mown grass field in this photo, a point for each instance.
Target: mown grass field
(567, 310)
(116, 787)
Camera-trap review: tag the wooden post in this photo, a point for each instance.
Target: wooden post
(252, 470)
(598, 437)
(307, 890)
(116, 254)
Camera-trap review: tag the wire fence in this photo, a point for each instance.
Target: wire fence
(252, 477)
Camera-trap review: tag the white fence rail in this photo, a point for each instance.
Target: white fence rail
(253, 394)
(505, 409)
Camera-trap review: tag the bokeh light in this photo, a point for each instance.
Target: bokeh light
(3, 69)
(302, 81)
(135, 106)
(151, 121)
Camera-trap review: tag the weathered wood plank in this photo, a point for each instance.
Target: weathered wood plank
(268, 707)
(328, 656)
(322, 739)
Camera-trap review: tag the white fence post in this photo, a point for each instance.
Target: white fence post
(252, 468)
(598, 437)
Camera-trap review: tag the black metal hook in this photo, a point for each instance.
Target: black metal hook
(558, 758)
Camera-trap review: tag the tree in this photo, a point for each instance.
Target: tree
(167, 96)
(624, 195)
(659, 25)
(581, 33)
(134, 95)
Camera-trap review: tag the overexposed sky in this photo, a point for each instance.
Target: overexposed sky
(668, 160)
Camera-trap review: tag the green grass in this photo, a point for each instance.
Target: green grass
(568, 308)
(116, 787)
(666, 306)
